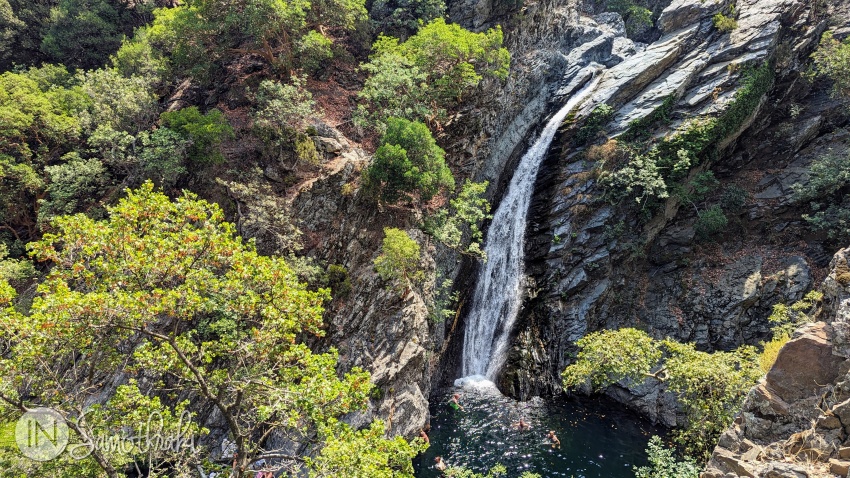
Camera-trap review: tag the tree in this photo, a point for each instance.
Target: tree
(495, 472)
(825, 191)
(163, 296)
(408, 161)
(83, 33)
(280, 118)
(205, 32)
(832, 60)
(451, 225)
(710, 387)
(402, 18)
(205, 131)
(663, 463)
(429, 72)
(399, 259)
(73, 185)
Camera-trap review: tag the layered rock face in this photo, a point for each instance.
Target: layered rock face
(594, 265)
(795, 422)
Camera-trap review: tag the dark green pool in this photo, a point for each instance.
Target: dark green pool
(598, 439)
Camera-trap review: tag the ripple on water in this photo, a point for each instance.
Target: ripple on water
(597, 439)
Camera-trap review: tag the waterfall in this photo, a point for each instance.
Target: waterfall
(497, 294)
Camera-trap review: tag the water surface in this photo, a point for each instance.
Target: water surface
(598, 438)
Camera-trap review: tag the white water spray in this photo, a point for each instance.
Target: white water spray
(497, 294)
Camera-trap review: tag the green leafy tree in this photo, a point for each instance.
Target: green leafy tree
(408, 161)
(206, 32)
(825, 191)
(495, 472)
(402, 18)
(430, 71)
(710, 387)
(206, 132)
(399, 259)
(122, 103)
(832, 60)
(73, 185)
(166, 292)
(281, 118)
(451, 225)
(37, 126)
(83, 33)
(663, 463)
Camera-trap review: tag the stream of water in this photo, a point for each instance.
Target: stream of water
(596, 440)
(496, 299)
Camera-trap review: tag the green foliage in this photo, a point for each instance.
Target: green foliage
(83, 33)
(163, 155)
(401, 18)
(467, 211)
(770, 350)
(608, 357)
(203, 33)
(444, 300)
(122, 103)
(785, 319)
(495, 472)
(399, 259)
(663, 463)
(710, 222)
(364, 454)
(832, 60)
(73, 185)
(637, 16)
(169, 290)
(338, 280)
(281, 117)
(641, 129)
(825, 190)
(598, 118)
(429, 72)
(651, 174)
(710, 387)
(407, 162)
(723, 23)
(734, 198)
(205, 131)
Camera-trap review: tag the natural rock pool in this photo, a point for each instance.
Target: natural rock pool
(598, 438)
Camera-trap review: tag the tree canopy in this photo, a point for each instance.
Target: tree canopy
(165, 294)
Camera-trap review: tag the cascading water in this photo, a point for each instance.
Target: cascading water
(497, 295)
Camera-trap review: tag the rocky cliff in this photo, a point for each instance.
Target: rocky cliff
(594, 265)
(795, 422)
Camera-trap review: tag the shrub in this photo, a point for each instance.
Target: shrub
(723, 23)
(461, 220)
(205, 131)
(338, 280)
(601, 115)
(710, 387)
(832, 60)
(399, 259)
(710, 223)
(828, 178)
(430, 71)
(408, 161)
(163, 156)
(770, 350)
(72, 186)
(401, 18)
(663, 463)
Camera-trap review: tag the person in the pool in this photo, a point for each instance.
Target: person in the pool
(424, 437)
(522, 425)
(440, 464)
(455, 402)
(554, 439)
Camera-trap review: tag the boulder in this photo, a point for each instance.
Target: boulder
(805, 364)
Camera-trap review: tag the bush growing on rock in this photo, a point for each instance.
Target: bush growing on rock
(429, 72)
(408, 162)
(663, 463)
(710, 387)
(829, 176)
(832, 60)
(399, 259)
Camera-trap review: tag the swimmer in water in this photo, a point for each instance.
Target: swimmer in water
(554, 439)
(455, 402)
(424, 437)
(522, 425)
(441, 465)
